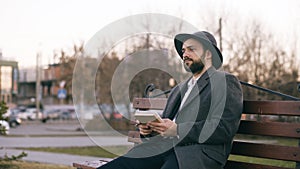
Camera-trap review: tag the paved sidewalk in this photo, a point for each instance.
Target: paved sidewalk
(55, 158)
(51, 158)
(55, 134)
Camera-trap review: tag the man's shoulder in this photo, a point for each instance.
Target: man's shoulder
(214, 72)
(222, 75)
(225, 73)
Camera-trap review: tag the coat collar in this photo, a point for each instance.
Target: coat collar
(202, 82)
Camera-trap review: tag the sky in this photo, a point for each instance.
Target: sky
(32, 26)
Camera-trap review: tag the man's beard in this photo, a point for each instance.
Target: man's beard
(196, 67)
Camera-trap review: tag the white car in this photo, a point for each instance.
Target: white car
(4, 124)
(7, 114)
(30, 114)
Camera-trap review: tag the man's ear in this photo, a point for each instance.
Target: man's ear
(208, 54)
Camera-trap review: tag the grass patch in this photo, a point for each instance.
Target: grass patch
(30, 165)
(86, 151)
(273, 140)
(278, 163)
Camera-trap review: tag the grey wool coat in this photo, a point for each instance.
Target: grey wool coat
(206, 122)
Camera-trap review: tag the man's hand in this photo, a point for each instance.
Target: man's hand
(166, 128)
(144, 129)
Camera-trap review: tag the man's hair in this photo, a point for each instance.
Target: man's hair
(205, 47)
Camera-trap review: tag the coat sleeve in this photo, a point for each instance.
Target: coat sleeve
(221, 123)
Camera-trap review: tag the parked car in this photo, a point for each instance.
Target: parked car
(121, 111)
(56, 114)
(12, 118)
(30, 114)
(7, 114)
(67, 115)
(106, 110)
(52, 114)
(14, 121)
(4, 126)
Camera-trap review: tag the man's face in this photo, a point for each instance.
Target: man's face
(193, 53)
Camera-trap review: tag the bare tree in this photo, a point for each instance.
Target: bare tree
(256, 57)
(67, 63)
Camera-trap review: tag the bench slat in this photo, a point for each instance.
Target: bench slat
(288, 108)
(266, 151)
(282, 129)
(149, 103)
(244, 165)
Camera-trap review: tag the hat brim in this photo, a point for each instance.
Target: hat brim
(217, 58)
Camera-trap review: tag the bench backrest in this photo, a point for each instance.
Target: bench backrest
(257, 121)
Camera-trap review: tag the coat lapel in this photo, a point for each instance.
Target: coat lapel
(197, 89)
(175, 100)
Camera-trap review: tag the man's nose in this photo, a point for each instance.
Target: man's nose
(185, 55)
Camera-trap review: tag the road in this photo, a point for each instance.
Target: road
(37, 128)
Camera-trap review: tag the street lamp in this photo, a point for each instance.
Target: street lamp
(38, 83)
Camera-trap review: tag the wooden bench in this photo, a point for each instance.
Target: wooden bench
(256, 137)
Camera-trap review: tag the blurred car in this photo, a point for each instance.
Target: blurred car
(106, 110)
(30, 114)
(116, 115)
(12, 118)
(91, 111)
(67, 115)
(52, 114)
(14, 121)
(4, 126)
(121, 111)
(7, 114)
(57, 114)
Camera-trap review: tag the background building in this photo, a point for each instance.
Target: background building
(9, 74)
(50, 84)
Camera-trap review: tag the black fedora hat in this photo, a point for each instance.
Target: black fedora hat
(207, 39)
